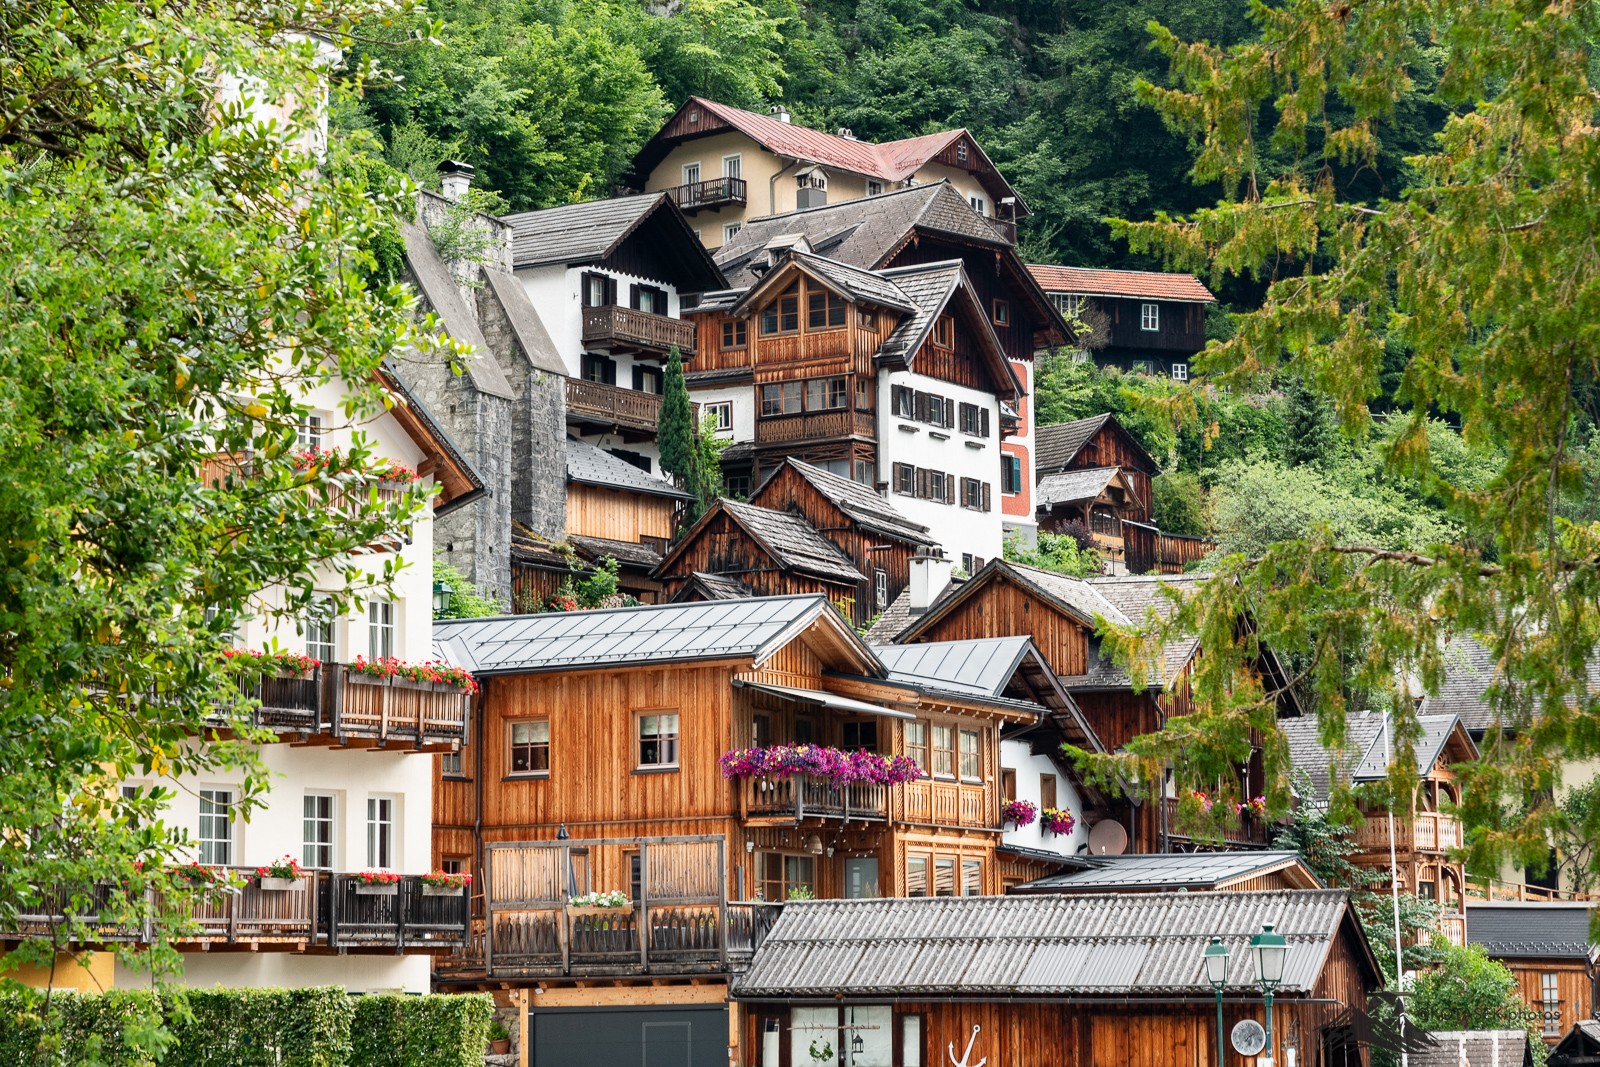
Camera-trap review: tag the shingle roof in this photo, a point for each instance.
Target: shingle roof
(577, 233)
(1529, 930)
(856, 283)
(627, 553)
(1073, 486)
(1364, 737)
(929, 287)
(652, 633)
(589, 464)
(981, 666)
(1056, 445)
(1474, 1048)
(868, 509)
(1469, 668)
(979, 947)
(794, 542)
(440, 290)
(1154, 285)
(718, 586)
(1135, 597)
(1176, 870)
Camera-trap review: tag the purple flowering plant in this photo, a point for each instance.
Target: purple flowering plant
(1020, 812)
(820, 761)
(1058, 821)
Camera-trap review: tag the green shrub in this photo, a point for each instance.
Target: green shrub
(433, 1031)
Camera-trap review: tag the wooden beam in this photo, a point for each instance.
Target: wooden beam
(624, 996)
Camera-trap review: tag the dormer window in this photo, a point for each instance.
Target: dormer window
(824, 310)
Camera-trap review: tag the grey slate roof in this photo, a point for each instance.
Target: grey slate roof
(1073, 486)
(577, 233)
(1364, 736)
(794, 542)
(1170, 871)
(1475, 1048)
(440, 290)
(589, 464)
(980, 667)
(627, 553)
(1001, 947)
(1469, 670)
(1530, 930)
(525, 322)
(929, 287)
(856, 283)
(1058, 444)
(1133, 597)
(868, 509)
(718, 586)
(652, 633)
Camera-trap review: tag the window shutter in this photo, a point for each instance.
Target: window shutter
(638, 377)
(985, 496)
(949, 488)
(949, 412)
(983, 423)
(633, 297)
(920, 407)
(922, 483)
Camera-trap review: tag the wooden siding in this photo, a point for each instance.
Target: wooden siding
(1112, 447)
(1148, 550)
(1182, 325)
(994, 276)
(1002, 609)
(618, 514)
(1572, 982)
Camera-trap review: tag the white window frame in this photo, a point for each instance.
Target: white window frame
(309, 433)
(732, 166)
(1150, 317)
(979, 205)
(691, 173)
(730, 230)
(722, 409)
(322, 635)
(1180, 372)
(381, 629)
(880, 589)
(309, 817)
(1068, 303)
(383, 821)
(216, 809)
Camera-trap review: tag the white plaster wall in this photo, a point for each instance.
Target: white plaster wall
(958, 529)
(357, 973)
(743, 398)
(1018, 756)
(556, 292)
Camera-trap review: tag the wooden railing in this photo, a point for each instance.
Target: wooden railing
(612, 326)
(814, 425)
(1250, 830)
(946, 803)
(1149, 551)
(612, 405)
(1423, 832)
(718, 192)
(251, 913)
(810, 797)
(1495, 889)
(337, 700)
(1454, 928)
(680, 921)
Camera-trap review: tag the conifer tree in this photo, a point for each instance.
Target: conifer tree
(675, 433)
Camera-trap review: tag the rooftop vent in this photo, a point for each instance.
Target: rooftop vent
(779, 112)
(846, 132)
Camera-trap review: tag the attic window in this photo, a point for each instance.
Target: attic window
(694, 116)
(1001, 313)
(961, 151)
(944, 331)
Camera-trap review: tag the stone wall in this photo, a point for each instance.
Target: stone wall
(537, 437)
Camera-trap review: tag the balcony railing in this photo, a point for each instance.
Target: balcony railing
(1454, 929)
(337, 701)
(1423, 832)
(947, 803)
(321, 908)
(680, 922)
(718, 192)
(645, 332)
(798, 797)
(595, 403)
(816, 425)
(1251, 830)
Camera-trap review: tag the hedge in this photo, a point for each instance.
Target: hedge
(241, 1028)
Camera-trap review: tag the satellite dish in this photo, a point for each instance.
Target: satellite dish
(1108, 838)
(1249, 1037)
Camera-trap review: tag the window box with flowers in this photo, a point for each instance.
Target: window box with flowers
(280, 875)
(840, 768)
(1019, 813)
(249, 662)
(376, 884)
(444, 884)
(1254, 808)
(196, 873)
(1058, 821)
(611, 902)
(430, 675)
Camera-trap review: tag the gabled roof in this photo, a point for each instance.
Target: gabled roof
(1531, 930)
(982, 667)
(1364, 734)
(1580, 1045)
(935, 288)
(1469, 669)
(589, 464)
(575, 234)
(855, 284)
(650, 634)
(1056, 446)
(439, 289)
(790, 540)
(1072, 487)
(460, 483)
(1475, 1048)
(890, 161)
(1152, 285)
(630, 554)
(1173, 871)
(714, 587)
(863, 506)
(987, 948)
(1136, 598)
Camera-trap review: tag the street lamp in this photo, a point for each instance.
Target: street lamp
(1216, 956)
(441, 599)
(1270, 950)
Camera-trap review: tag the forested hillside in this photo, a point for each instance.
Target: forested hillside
(549, 99)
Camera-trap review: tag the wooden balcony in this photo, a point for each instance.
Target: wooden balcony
(814, 426)
(800, 797)
(681, 921)
(644, 333)
(610, 407)
(944, 803)
(718, 192)
(340, 704)
(1250, 831)
(1454, 928)
(1424, 832)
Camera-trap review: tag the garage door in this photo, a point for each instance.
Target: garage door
(629, 1037)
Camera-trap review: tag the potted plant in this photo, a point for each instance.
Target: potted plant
(444, 884)
(821, 1051)
(377, 884)
(1019, 813)
(280, 874)
(1255, 806)
(611, 902)
(499, 1038)
(196, 873)
(1058, 821)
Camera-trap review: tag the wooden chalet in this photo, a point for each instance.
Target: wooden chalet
(617, 510)
(1427, 833)
(1060, 614)
(596, 764)
(1548, 948)
(1095, 472)
(1089, 981)
(1144, 321)
(1579, 1048)
(873, 536)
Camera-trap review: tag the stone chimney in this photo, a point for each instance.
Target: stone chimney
(455, 178)
(930, 574)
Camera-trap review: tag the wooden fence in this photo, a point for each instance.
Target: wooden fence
(1149, 551)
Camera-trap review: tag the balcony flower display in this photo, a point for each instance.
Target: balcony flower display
(433, 671)
(1256, 806)
(196, 873)
(611, 898)
(1058, 821)
(377, 878)
(821, 761)
(280, 874)
(253, 661)
(336, 461)
(1020, 813)
(446, 880)
(1200, 797)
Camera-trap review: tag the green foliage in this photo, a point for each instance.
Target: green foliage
(1312, 432)
(462, 236)
(675, 432)
(1056, 552)
(465, 600)
(260, 1027)
(1469, 991)
(705, 468)
(432, 1031)
(1577, 832)
(728, 50)
(1178, 504)
(600, 586)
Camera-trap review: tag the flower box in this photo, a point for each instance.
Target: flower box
(365, 890)
(592, 909)
(441, 890)
(279, 885)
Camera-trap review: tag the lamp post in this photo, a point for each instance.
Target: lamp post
(1216, 956)
(1270, 950)
(441, 599)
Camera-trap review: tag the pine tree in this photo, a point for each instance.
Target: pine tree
(676, 430)
(1311, 428)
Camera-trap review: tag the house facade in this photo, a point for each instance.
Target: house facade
(1548, 948)
(1141, 321)
(723, 166)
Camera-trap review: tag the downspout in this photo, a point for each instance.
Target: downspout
(772, 187)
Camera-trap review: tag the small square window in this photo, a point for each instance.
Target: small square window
(977, 204)
(309, 433)
(735, 333)
(1180, 372)
(658, 739)
(530, 747)
(780, 398)
(874, 188)
(900, 400)
(905, 479)
(720, 412)
(880, 589)
(730, 230)
(961, 151)
(1002, 313)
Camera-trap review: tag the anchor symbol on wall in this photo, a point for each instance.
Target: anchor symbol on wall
(950, 1049)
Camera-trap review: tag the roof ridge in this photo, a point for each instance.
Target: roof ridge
(587, 612)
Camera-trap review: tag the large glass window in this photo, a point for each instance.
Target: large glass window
(380, 629)
(783, 314)
(658, 739)
(826, 394)
(861, 877)
(216, 827)
(824, 311)
(380, 831)
(971, 878)
(916, 876)
(530, 747)
(944, 876)
(317, 828)
(778, 874)
(917, 743)
(780, 398)
(971, 768)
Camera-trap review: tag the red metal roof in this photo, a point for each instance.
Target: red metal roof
(892, 161)
(1152, 284)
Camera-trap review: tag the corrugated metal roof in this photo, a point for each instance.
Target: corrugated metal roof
(652, 633)
(1129, 945)
(1155, 285)
(981, 666)
(1187, 870)
(1530, 930)
(589, 464)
